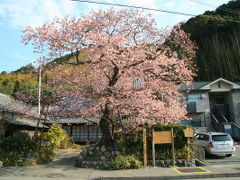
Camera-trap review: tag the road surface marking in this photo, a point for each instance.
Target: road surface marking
(191, 170)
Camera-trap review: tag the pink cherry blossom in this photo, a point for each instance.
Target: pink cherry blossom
(130, 76)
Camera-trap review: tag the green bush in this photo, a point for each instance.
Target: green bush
(21, 150)
(16, 150)
(124, 162)
(132, 145)
(179, 153)
(183, 153)
(129, 145)
(45, 154)
(58, 137)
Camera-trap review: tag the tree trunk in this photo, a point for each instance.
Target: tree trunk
(106, 126)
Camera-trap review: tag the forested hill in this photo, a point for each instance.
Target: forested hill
(25, 79)
(217, 35)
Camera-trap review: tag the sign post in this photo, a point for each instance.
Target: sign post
(173, 153)
(144, 148)
(188, 132)
(153, 148)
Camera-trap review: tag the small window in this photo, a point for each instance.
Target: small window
(200, 137)
(205, 138)
(221, 138)
(194, 97)
(196, 137)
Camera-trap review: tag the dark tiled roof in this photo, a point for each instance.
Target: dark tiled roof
(197, 85)
(27, 117)
(24, 121)
(10, 105)
(194, 85)
(73, 120)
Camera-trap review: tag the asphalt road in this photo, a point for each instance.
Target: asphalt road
(63, 169)
(223, 160)
(227, 178)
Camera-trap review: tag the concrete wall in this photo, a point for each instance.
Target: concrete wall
(236, 106)
(202, 105)
(229, 100)
(202, 118)
(202, 109)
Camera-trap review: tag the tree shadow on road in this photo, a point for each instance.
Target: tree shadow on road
(62, 167)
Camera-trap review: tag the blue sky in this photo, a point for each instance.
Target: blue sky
(15, 15)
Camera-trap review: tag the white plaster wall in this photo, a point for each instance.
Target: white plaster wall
(223, 86)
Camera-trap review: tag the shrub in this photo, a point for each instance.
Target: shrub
(21, 150)
(16, 150)
(124, 162)
(45, 154)
(130, 145)
(183, 153)
(58, 137)
(179, 153)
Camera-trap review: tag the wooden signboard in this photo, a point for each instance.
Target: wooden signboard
(162, 137)
(188, 132)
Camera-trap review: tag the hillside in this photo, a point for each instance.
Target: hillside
(217, 35)
(25, 79)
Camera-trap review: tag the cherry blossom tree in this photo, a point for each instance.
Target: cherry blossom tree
(126, 70)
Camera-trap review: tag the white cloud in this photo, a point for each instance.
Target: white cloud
(169, 5)
(20, 13)
(33, 12)
(143, 3)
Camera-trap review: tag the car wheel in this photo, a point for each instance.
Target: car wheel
(205, 152)
(228, 155)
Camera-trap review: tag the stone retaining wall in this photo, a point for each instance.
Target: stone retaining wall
(95, 157)
(99, 157)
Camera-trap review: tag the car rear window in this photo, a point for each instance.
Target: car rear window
(221, 138)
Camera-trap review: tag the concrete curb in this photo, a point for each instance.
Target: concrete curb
(174, 177)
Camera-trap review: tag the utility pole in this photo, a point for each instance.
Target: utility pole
(39, 100)
(39, 91)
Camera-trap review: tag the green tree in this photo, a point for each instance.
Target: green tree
(217, 35)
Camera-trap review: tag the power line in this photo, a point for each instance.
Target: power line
(136, 7)
(222, 8)
(150, 9)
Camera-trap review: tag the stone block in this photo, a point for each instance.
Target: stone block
(103, 149)
(167, 163)
(103, 158)
(117, 153)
